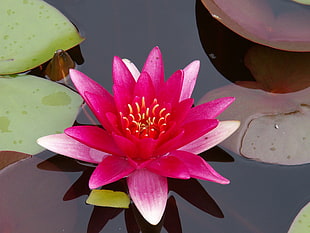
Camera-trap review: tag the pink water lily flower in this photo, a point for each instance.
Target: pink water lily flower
(150, 131)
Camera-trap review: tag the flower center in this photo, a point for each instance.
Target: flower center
(145, 122)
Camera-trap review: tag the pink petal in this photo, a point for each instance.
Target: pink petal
(154, 67)
(122, 97)
(100, 107)
(135, 148)
(121, 74)
(85, 84)
(171, 89)
(181, 136)
(146, 147)
(169, 166)
(132, 68)
(180, 110)
(94, 137)
(149, 193)
(111, 169)
(190, 76)
(210, 109)
(170, 142)
(198, 168)
(65, 145)
(145, 88)
(212, 138)
(114, 124)
(196, 129)
(126, 146)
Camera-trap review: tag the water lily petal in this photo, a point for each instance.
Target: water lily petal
(154, 67)
(111, 169)
(100, 108)
(97, 98)
(122, 97)
(169, 166)
(83, 83)
(171, 89)
(94, 137)
(65, 145)
(190, 76)
(146, 148)
(145, 88)
(196, 129)
(180, 110)
(210, 109)
(113, 123)
(179, 137)
(149, 193)
(212, 138)
(132, 68)
(126, 145)
(121, 74)
(169, 142)
(198, 167)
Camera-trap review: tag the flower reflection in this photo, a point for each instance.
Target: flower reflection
(100, 216)
(151, 131)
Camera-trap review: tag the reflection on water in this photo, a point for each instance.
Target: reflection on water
(56, 186)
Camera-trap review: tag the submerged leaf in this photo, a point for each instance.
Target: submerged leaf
(31, 31)
(32, 107)
(278, 71)
(108, 198)
(301, 223)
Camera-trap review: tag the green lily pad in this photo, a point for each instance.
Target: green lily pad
(108, 198)
(301, 223)
(32, 107)
(305, 2)
(31, 32)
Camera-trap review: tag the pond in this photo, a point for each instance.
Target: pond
(47, 192)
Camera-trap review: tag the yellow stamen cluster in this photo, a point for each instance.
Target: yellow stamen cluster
(145, 122)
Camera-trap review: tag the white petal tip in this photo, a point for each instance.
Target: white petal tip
(153, 218)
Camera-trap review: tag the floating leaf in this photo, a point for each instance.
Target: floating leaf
(305, 2)
(32, 107)
(274, 127)
(301, 223)
(108, 198)
(10, 157)
(31, 31)
(278, 24)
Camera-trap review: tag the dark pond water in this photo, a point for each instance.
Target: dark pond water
(47, 193)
